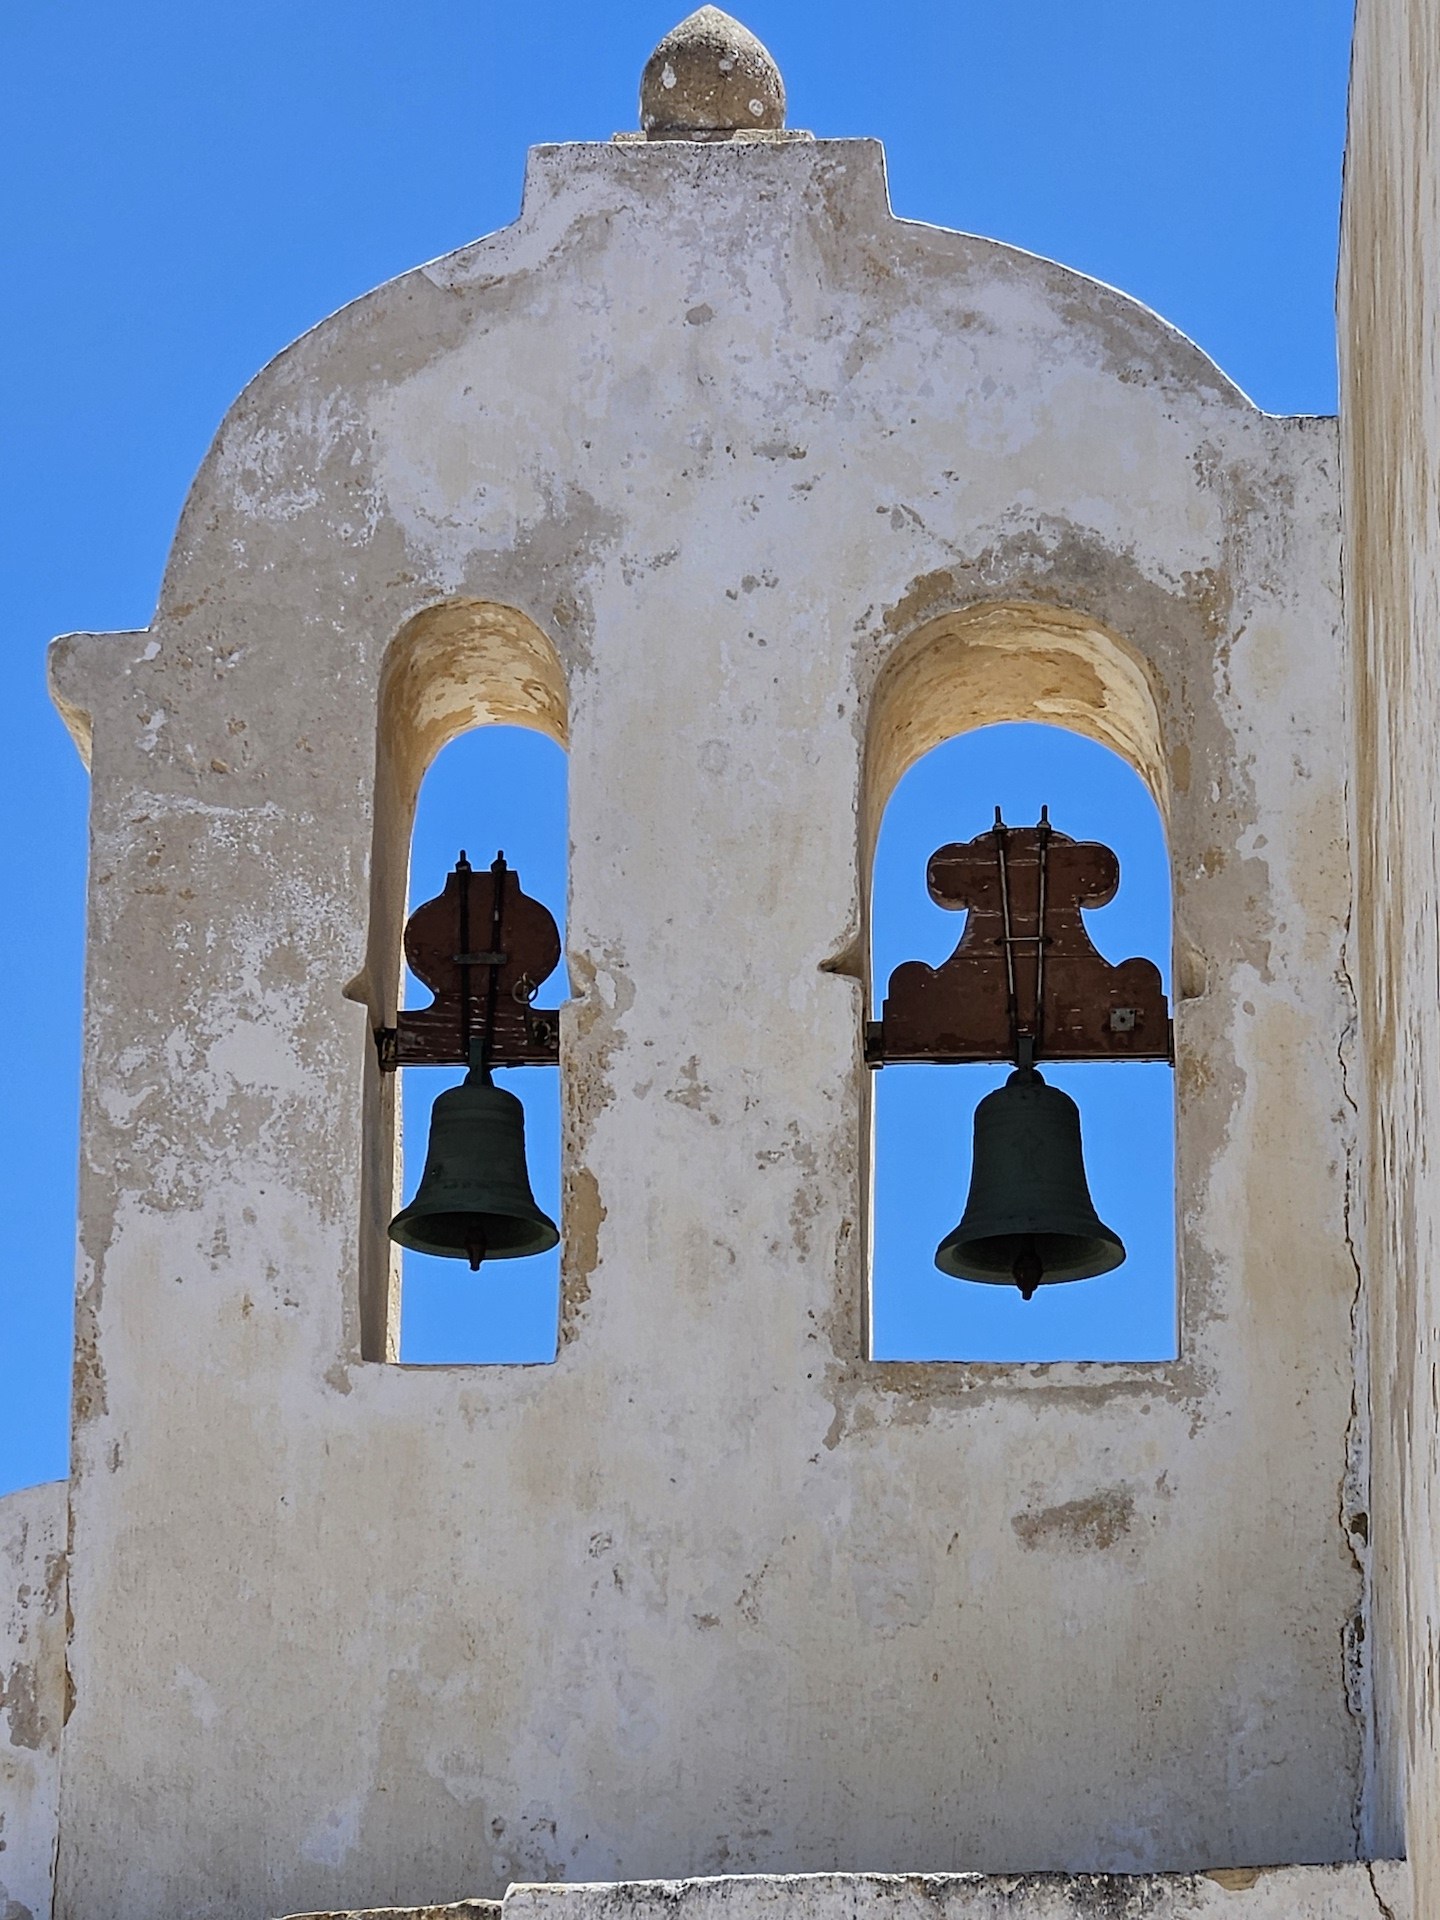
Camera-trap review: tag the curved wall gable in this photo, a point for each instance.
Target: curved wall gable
(701, 465)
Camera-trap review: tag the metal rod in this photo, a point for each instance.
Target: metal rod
(1011, 1005)
(498, 871)
(462, 867)
(1043, 830)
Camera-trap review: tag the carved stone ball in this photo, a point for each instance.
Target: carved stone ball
(710, 77)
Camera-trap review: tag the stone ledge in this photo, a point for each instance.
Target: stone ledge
(1358, 1890)
(461, 1910)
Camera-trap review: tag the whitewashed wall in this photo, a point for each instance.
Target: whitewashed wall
(748, 490)
(1390, 355)
(32, 1694)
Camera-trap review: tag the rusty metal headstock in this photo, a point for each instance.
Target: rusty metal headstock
(484, 948)
(1024, 977)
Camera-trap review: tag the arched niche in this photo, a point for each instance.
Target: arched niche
(509, 784)
(1008, 661)
(462, 664)
(982, 668)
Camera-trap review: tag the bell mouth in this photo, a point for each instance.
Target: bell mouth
(1003, 1259)
(457, 1236)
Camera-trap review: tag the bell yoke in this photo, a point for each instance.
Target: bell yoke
(1023, 983)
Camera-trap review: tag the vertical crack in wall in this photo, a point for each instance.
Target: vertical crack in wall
(1382, 1906)
(68, 1704)
(1355, 1481)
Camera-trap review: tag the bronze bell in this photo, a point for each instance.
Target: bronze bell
(474, 1201)
(1029, 1220)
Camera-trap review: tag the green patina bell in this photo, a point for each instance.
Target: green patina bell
(1029, 1220)
(474, 1201)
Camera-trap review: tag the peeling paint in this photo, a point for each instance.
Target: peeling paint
(1091, 1524)
(1389, 297)
(735, 568)
(33, 1566)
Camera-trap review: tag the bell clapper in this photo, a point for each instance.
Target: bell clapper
(1028, 1270)
(475, 1249)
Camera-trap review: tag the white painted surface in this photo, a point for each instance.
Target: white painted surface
(747, 489)
(458, 1910)
(1374, 1890)
(1390, 355)
(32, 1694)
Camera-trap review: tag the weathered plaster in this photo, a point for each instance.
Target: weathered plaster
(460, 1910)
(768, 489)
(1377, 1891)
(32, 1694)
(1390, 371)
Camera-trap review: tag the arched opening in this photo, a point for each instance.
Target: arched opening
(924, 1114)
(493, 789)
(454, 669)
(954, 734)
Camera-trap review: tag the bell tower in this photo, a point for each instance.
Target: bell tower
(748, 492)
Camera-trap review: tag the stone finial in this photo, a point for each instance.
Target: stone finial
(710, 78)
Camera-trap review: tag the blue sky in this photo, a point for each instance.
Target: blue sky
(188, 188)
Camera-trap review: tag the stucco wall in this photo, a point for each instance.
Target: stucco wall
(1374, 1890)
(741, 455)
(32, 1694)
(1390, 356)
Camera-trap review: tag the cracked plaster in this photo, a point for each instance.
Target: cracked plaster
(690, 468)
(1390, 396)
